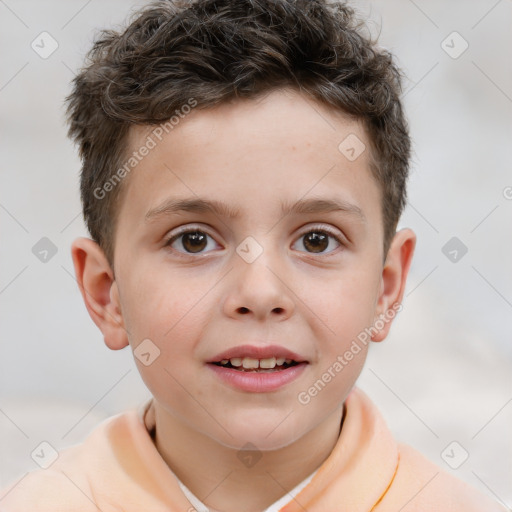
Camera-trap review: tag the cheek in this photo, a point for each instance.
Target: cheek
(175, 326)
(173, 313)
(345, 305)
(160, 307)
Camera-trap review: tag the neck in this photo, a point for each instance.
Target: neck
(216, 475)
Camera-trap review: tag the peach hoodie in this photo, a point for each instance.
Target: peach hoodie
(117, 468)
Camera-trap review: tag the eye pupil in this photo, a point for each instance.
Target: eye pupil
(195, 241)
(316, 242)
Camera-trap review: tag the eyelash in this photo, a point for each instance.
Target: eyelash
(327, 231)
(315, 229)
(184, 231)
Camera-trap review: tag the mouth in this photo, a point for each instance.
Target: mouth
(258, 369)
(252, 365)
(252, 358)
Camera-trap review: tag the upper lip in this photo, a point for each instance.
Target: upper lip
(258, 352)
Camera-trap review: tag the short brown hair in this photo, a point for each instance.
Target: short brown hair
(218, 50)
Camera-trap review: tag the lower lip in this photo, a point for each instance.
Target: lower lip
(258, 382)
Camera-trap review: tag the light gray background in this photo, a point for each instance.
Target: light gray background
(443, 375)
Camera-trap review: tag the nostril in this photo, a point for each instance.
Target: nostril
(243, 310)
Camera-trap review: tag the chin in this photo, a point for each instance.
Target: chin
(260, 435)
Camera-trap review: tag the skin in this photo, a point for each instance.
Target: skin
(252, 155)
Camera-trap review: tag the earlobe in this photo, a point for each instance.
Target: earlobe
(99, 291)
(394, 279)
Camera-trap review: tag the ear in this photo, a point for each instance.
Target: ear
(99, 290)
(393, 280)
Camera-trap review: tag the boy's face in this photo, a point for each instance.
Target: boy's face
(266, 275)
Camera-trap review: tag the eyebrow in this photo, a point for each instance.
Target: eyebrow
(195, 205)
(323, 206)
(198, 205)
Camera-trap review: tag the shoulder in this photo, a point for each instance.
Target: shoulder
(420, 485)
(412, 483)
(45, 491)
(70, 483)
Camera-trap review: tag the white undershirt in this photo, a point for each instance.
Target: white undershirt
(201, 507)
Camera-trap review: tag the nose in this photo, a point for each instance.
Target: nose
(258, 291)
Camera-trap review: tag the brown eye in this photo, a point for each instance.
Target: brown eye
(318, 241)
(193, 241)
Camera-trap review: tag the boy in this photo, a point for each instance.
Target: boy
(244, 169)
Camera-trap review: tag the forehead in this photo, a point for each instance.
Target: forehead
(279, 147)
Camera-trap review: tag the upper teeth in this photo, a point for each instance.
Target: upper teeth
(249, 362)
